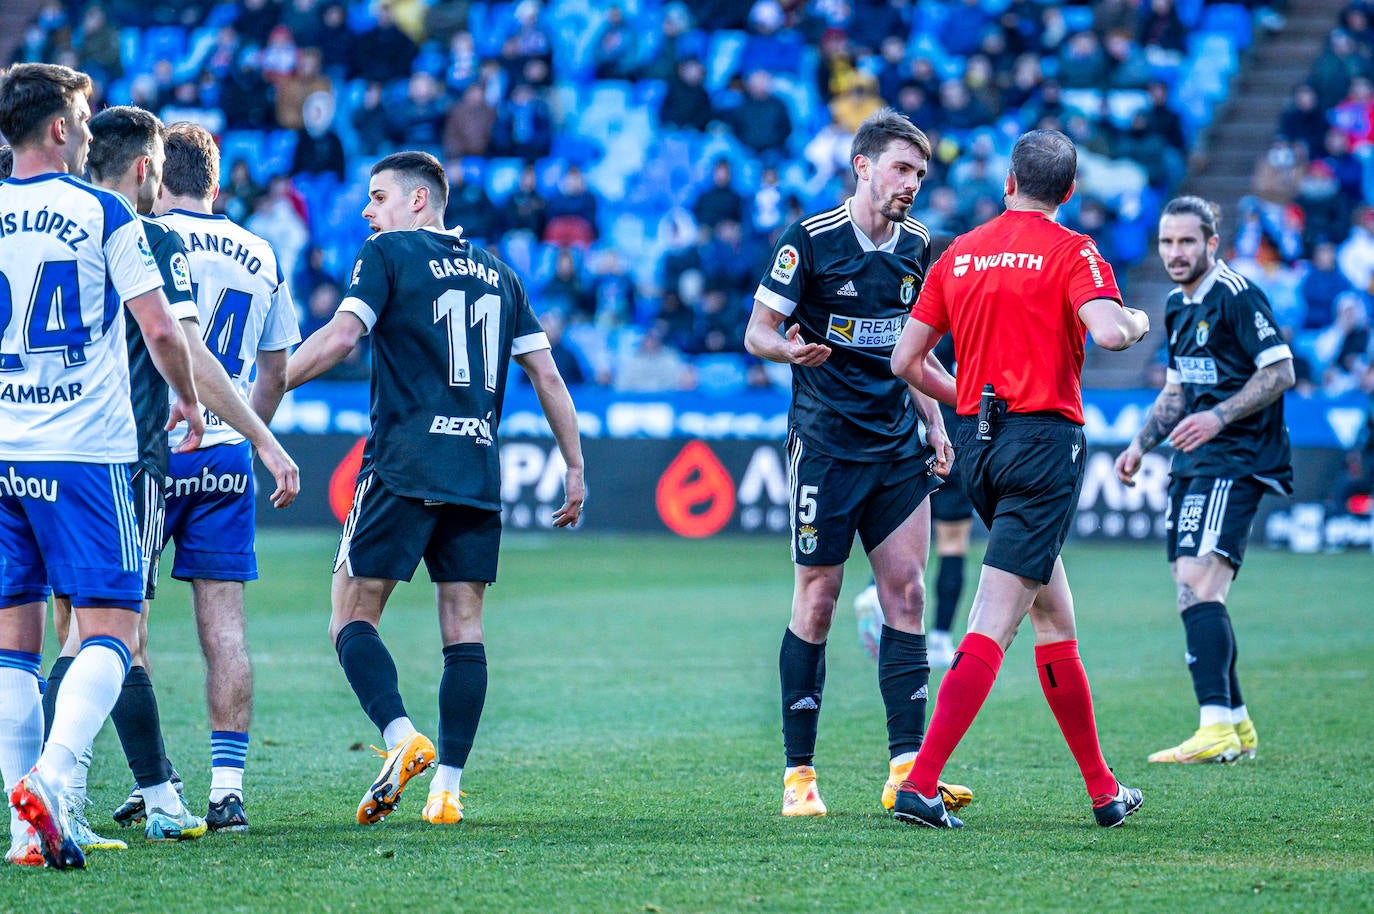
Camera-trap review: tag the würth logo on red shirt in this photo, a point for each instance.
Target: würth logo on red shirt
(1003, 260)
(1089, 253)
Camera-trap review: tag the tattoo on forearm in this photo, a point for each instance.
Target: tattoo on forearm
(1264, 387)
(1164, 415)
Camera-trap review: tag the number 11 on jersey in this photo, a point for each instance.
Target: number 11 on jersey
(452, 307)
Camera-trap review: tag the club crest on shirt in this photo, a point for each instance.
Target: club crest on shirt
(1203, 331)
(908, 290)
(807, 539)
(785, 264)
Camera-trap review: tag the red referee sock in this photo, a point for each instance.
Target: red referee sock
(1065, 683)
(962, 692)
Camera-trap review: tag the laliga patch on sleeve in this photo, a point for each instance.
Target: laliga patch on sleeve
(181, 273)
(357, 271)
(785, 265)
(145, 251)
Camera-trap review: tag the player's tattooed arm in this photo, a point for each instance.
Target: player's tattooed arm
(1264, 387)
(1168, 409)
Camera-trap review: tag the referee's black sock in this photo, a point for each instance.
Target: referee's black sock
(801, 669)
(1210, 650)
(371, 672)
(904, 680)
(139, 726)
(59, 669)
(462, 692)
(949, 586)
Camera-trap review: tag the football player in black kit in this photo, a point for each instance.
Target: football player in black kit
(446, 318)
(832, 305)
(1222, 410)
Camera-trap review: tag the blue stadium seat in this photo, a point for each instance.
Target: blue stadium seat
(720, 375)
(722, 60)
(502, 177)
(163, 41)
(245, 145)
(1229, 19)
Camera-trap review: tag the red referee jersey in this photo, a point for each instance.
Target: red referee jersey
(1009, 291)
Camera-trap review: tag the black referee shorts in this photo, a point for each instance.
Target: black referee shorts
(1211, 514)
(832, 499)
(386, 535)
(1024, 484)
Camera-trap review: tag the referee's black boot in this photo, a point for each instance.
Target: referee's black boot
(913, 809)
(1126, 801)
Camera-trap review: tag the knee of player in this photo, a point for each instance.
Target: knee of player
(905, 601)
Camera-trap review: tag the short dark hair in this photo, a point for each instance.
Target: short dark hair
(883, 127)
(6, 162)
(415, 168)
(1208, 213)
(32, 94)
(119, 136)
(1045, 163)
(192, 168)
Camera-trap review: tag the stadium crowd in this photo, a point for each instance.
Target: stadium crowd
(636, 161)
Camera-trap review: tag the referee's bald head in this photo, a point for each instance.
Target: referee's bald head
(1045, 164)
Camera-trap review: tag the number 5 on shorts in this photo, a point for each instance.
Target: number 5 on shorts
(806, 503)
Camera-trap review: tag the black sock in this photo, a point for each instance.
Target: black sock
(949, 587)
(1210, 650)
(59, 669)
(371, 672)
(462, 692)
(1236, 700)
(801, 669)
(139, 727)
(904, 680)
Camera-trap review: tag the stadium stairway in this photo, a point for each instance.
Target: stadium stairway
(1222, 165)
(15, 16)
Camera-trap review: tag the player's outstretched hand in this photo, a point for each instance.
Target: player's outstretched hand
(284, 471)
(575, 488)
(937, 436)
(195, 424)
(808, 354)
(1127, 465)
(1196, 430)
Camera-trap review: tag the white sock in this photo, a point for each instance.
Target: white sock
(396, 731)
(1209, 715)
(77, 782)
(447, 778)
(89, 690)
(162, 797)
(224, 780)
(906, 758)
(21, 724)
(1239, 715)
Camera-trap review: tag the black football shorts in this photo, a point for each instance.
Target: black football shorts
(949, 503)
(386, 535)
(150, 510)
(832, 499)
(1211, 514)
(1024, 484)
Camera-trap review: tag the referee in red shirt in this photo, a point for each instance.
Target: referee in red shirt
(1019, 294)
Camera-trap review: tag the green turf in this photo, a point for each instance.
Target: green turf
(629, 757)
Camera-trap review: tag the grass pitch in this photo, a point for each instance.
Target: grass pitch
(630, 753)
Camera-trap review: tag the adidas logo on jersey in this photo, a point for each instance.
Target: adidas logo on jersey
(848, 289)
(805, 704)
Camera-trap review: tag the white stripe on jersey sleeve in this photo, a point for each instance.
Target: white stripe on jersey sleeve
(131, 271)
(281, 328)
(185, 310)
(784, 306)
(530, 342)
(1173, 376)
(359, 309)
(1273, 354)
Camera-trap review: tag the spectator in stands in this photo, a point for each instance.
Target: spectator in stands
(1162, 119)
(615, 49)
(941, 215)
(683, 244)
(959, 109)
(766, 208)
(761, 121)
(837, 62)
(1343, 348)
(526, 210)
(770, 45)
(98, 42)
(719, 325)
(719, 201)
(469, 124)
(571, 210)
(384, 52)
(1321, 286)
(565, 355)
(255, 20)
(372, 121)
(310, 275)
(240, 196)
(1138, 142)
(1278, 170)
(302, 19)
(1112, 15)
(653, 366)
(319, 151)
(524, 125)
(1326, 211)
(678, 42)
(1354, 115)
(1082, 63)
(336, 39)
(1048, 108)
(613, 289)
(982, 83)
(686, 102)
(528, 40)
(565, 291)
(1336, 67)
(1344, 164)
(893, 70)
(245, 97)
(279, 56)
(320, 306)
(279, 218)
(470, 207)
(1160, 27)
(186, 105)
(1356, 254)
(1268, 270)
(293, 89)
(418, 121)
(1304, 120)
(921, 110)
(730, 260)
(858, 99)
(464, 65)
(676, 321)
(963, 27)
(1126, 62)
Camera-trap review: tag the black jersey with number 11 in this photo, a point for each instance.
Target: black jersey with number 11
(445, 317)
